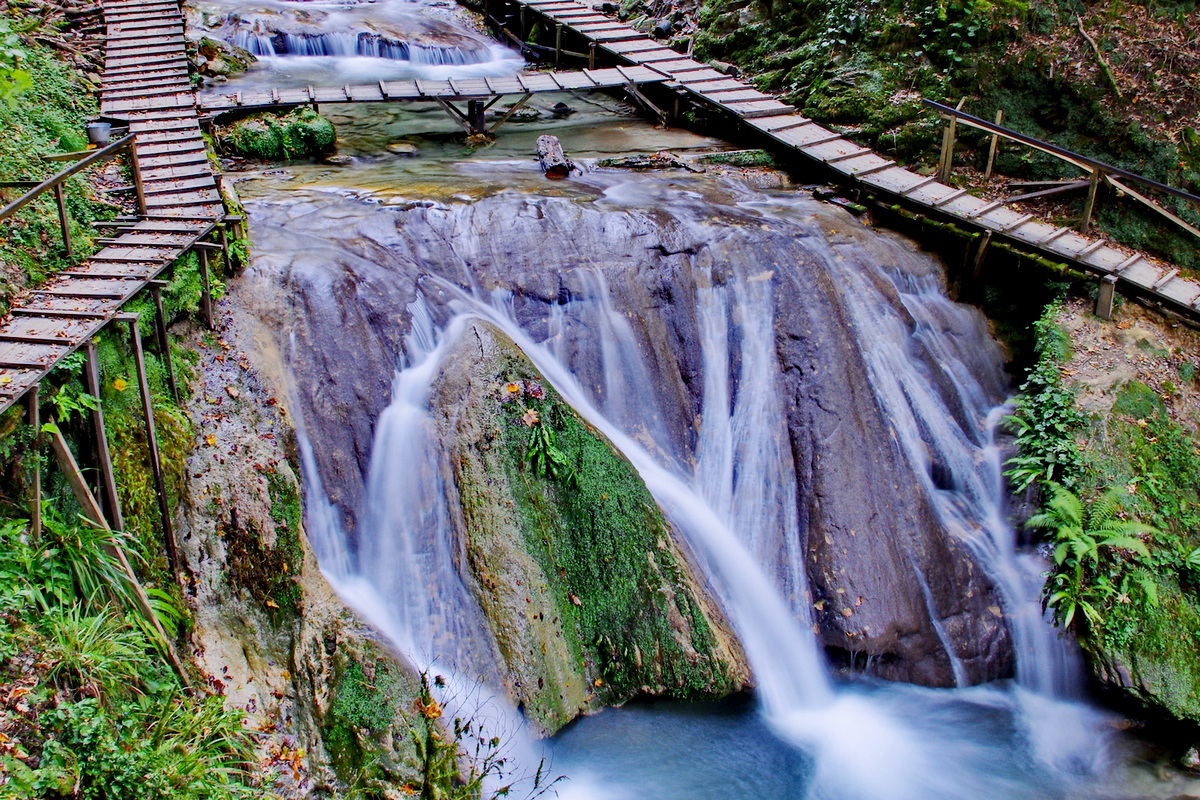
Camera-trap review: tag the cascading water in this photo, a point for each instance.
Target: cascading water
(732, 493)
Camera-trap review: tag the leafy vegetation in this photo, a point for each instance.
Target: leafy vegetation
(1046, 419)
(1126, 535)
(92, 710)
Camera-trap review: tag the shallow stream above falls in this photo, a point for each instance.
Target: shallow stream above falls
(774, 370)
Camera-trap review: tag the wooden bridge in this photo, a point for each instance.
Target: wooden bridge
(480, 94)
(783, 127)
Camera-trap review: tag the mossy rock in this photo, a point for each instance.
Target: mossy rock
(302, 133)
(221, 58)
(589, 596)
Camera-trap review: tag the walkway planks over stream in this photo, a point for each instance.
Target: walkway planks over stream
(145, 82)
(782, 124)
(432, 91)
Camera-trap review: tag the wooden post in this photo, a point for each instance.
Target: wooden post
(63, 220)
(164, 342)
(160, 483)
(33, 413)
(1105, 297)
(206, 288)
(987, 173)
(108, 479)
(949, 138)
(91, 510)
(225, 249)
(136, 168)
(592, 55)
(558, 35)
(475, 117)
(981, 254)
(1093, 189)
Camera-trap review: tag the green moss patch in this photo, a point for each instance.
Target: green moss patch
(604, 546)
(269, 137)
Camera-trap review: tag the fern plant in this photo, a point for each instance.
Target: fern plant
(1086, 538)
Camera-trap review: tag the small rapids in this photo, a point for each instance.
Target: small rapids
(303, 43)
(636, 280)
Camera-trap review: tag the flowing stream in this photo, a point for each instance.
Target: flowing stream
(389, 258)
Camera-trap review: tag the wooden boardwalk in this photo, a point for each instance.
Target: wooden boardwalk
(145, 82)
(783, 125)
(432, 91)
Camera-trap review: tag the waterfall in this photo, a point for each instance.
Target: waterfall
(349, 43)
(730, 489)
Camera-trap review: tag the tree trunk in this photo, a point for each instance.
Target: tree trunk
(553, 161)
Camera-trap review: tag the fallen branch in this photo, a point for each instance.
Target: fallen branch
(1104, 66)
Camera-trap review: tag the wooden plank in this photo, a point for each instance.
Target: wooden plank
(172, 186)
(760, 108)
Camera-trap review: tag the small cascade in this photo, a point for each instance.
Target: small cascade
(743, 462)
(346, 44)
(947, 420)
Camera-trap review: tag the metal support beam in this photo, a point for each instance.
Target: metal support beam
(160, 483)
(108, 479)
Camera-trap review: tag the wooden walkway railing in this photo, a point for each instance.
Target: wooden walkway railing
(789, 131)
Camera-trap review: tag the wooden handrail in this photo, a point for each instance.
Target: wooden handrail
(103, 154)
(1081, 161)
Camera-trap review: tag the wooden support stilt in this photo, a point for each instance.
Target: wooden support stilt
(993, 147)
(33, 414)
(558, 36)
(135, 167)
(516, 107)
(206, 308)
(160, 483)
(1085, 223)
(91, 511)
(164, 341)
(981, 251)
(64, 220)
(592, 55)
(224, 234)
(1106, 296)
(108, 479)
(475, 116)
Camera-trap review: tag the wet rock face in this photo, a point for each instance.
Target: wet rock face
(586, 590)
(891, 587)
